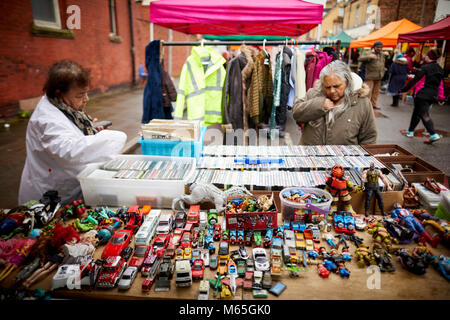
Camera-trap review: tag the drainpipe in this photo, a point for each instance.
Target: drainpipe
(133, 62)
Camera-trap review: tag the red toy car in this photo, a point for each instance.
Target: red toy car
(117, 243)
(176, 238)
(217, 232)
(186, 240)
(161, 242)
(323, 272)
(135, 218)
(140, 253)
(111, 272)
(198, 268)
(193, 215)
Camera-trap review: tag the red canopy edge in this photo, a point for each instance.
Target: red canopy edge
(439, 30)
(262, 17)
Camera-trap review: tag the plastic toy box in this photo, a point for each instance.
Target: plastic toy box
(305, 212)
(252, 220)
(161, 147)
(100, 188)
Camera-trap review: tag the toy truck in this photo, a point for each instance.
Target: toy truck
(183, 273)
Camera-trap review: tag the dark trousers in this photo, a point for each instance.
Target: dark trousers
(421, 112)
(395, 100)
(369, 194)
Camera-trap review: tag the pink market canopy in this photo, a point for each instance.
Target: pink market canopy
(261, 17)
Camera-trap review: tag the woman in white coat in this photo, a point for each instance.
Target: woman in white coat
(61, 139)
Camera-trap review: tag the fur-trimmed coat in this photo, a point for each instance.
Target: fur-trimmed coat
(399, 73)
(356, 125)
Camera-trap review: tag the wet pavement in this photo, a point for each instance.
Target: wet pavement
(124, 109)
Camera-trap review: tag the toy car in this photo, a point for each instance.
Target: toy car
(240, 236)
(286, 224)
(170, 251)
(201, 238)
(148, 263)
(217, 232)
(250, 265)
(135, 219)
(300, 242)
(165, 273)
(140, 253)
(267, 280)
(179, 254)
(360, 222)
(248, 280)
(193, 215)
(161, 242)
(203, 290)
(261, 260)
(339, 224)
(187, 253)
(349, 222)
(240, 267)
(233, 236)
(111, 272)
(126, 253)
(248, 237)
(180, 219)
(117, 243)
(309, 240)
(225, 294)
(276, 247)
(224, 250)
(196, 254)
(164, 224)
(268, 238)
(257, 279)
(148, 282)
(198, 268)
(213, 262)
(127, 278)
(293, 258)
(205, 256)
(186, 240)
(276, 265)
(243, 253)
(212, 217)
(279, 233)
(209, 244)
(222, 265)
(177, 235)
(257, 240)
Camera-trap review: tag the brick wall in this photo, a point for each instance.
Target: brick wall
(25, 59)
(408, 9)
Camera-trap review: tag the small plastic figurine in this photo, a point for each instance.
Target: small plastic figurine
(415, 265)
(343, 270)
(369, 183)
(382, 237)
(364, 256)
(407, 218)
(346, 256)
(383, 260)
(340, 187)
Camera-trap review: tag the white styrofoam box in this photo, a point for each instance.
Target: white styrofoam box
(100, 188)
(429, 198)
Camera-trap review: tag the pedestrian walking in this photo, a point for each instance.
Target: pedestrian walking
(428, 87)
(375, 69)
(398, 72)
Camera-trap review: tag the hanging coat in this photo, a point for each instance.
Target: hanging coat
(153, 104)
(323, 60)
(57, 151)
(168, 91)
(310, 64)
(232, 93)
(200, 86)
(285, 87)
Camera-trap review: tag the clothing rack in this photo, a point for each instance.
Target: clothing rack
(251, 42)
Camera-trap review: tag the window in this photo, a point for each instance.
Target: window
(46, 13)
(357, 16)
(112, 17)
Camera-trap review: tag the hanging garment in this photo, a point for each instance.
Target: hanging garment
(58, 150)
(262, 93)
(200, 88)
(323, 60)
(276, 89)
(249, 84)
(300, 79)
(168, 91)
(310, 65)
(285, 87)
(153, 104)
(232, 93)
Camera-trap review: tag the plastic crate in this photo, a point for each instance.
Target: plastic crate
(294, 211)
(160, 147)
(100, 188)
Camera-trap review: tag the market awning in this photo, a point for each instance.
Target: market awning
(343, 36)
(242, 37)
(387, 34)
(262, 17)
(437, 31)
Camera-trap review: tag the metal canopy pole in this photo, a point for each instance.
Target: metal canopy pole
(251, 42)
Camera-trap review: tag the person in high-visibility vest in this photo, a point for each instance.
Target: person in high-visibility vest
(200, 87)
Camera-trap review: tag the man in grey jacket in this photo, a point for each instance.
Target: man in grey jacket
(375, 68)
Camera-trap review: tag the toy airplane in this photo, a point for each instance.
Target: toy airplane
(216, 284)
(233, 275)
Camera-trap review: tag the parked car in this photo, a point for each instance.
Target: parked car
(198, 269)
(177, 235)
(117, 243)
(170, 250)
(267, 280)
(213, 262)
(261, 260)
(187, 253)
(111, 272)
(186, 240)
(164, 224)
(179, 254)
(127, 278)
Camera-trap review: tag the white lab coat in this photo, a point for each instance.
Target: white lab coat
(57, 150)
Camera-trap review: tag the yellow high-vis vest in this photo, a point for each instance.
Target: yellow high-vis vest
(200, 87)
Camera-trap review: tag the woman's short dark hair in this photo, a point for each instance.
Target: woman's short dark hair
(63, 75)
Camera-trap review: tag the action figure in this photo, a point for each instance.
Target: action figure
(407, 218)
(384, 260)
(415, 265)
(382, 237)
(342, 239)
(364, 256)
(340, 187)
(343, 270)
(369, 183)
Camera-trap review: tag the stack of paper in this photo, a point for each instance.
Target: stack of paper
(173, 130)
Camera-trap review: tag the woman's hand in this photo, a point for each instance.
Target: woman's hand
(328, 105)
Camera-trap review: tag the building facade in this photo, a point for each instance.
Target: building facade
(108, 37)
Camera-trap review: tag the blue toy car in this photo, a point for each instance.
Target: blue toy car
(240, 235)
(279, 232)
(339, 224)
(287, 224)
(295, 226)
(268, 238)
(233, 236)
(349, 223)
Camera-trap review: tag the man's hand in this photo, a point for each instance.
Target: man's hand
(328, 105)
(441, 103)
(373, 56)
